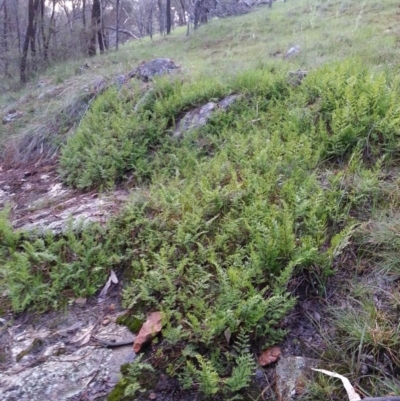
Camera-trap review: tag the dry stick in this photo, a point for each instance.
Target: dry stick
(395, 398)
(125, 31)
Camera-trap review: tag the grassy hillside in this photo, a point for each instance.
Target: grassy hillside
(294, 183)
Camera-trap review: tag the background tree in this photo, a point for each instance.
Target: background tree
(168, 16)
(37, 33)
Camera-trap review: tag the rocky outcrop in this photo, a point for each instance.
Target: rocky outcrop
(199, 116)
(157, 67)
(63, 360)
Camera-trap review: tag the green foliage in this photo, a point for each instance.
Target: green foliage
(230, 213)
(206, 374)
(41, 273)
(135, 376)
(122, 131)
(353, 107)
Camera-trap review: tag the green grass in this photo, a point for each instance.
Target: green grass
(280, 185)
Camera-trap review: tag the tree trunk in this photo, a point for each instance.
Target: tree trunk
(46, 40)
(150, 20)
(84, 14)
(33, 7)
(117, 26)
(95, 26)
(161, 17)
(5, 40)
(17, 22)
(200, 13)
(182, 14)
(103, 43)
(168, 16)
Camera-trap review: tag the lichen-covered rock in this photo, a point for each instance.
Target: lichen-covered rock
(291, 376)
(199, 116)
(195, 119)
(48, 364)
(11, 116)
(157, 67)
(293, 51)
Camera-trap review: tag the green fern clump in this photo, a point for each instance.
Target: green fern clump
(109, 142)
(122, 132)
(43, 273)
(353, 107)
(219, 239)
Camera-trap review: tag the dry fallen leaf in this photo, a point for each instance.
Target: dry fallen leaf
(353, 396)
(112, 279)
(150, 328)
(269, 356)
(227, 334)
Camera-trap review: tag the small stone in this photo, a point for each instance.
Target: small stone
(149, 330)
(269, 356)
(106, 321)
(293, 51)
(317, 316)
(364, 369)
(80, 301)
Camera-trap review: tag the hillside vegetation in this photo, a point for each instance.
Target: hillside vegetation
(296, 181)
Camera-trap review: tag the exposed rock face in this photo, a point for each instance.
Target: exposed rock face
(195, 119)
(292, 373)
(62, 362)
(149, 330)
(157, 67)
(82, 209)
(199, 117)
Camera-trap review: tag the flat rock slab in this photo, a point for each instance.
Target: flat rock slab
(69, 207)
(68, 359)
(292, 373)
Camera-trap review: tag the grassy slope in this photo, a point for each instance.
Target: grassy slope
(326, 30)
(192, 236)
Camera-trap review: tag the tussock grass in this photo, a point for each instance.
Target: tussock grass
(362, 341)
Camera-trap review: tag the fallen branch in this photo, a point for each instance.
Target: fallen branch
(126, 32)
(394, 398)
